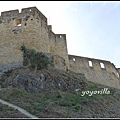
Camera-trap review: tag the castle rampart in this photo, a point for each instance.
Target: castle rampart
(10, 13)
(99, 71)
(30, 27)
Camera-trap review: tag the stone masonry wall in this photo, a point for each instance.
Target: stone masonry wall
(27, 28)
(30, 28)
(61, 47)
(58, 46)
(105, 74)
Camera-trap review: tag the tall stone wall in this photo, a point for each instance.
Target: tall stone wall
(30, 28)
(98, 71)
(61, 47)
(52, 38)
(58, 46)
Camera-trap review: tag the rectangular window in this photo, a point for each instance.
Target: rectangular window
(60, 36)
(102, 65)
(90, 63)
(18, 22)
(73, 59)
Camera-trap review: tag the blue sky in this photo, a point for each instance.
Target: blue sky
(92, 28)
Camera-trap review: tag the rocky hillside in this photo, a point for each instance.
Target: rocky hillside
(43, 80)
(52, 93)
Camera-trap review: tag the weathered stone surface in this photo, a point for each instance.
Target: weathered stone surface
(42, 81)
(109, 75)
(30, 28)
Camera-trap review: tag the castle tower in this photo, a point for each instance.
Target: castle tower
(30, 28)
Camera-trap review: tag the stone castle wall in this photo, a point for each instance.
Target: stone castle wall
(98, 71)
(30, 28)
(21, 28)
(58, 46)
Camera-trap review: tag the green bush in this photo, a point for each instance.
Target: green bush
(35, 59)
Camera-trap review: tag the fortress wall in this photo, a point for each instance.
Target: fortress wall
(61, 47)
(30, 28)
(33, 32)
(94, 72)
(10, 13)
(59, 62)
(58, 45)
(52, 38)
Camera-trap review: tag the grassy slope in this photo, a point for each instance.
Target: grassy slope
(8, 112)
(62, 104)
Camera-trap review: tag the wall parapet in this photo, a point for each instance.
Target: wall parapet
(95, 64)
(30, 10)
(61, 36)
(10, 13)
(34, 9)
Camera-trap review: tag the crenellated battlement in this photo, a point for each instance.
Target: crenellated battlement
(34, 10)
(10, 13)
(62, 36)
(24, 12)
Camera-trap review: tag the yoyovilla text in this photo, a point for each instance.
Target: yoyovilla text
(90, 93)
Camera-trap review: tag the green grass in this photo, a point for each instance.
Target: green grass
(9, 112)
(37, 103)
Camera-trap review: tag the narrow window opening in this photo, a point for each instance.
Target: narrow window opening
(73, 59)
(18, 22)
(60, 36)
(25, 24)
(31, 19)
(90, 63)
(102, 65)
(19, 25)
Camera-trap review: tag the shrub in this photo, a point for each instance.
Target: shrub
(34, 59)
